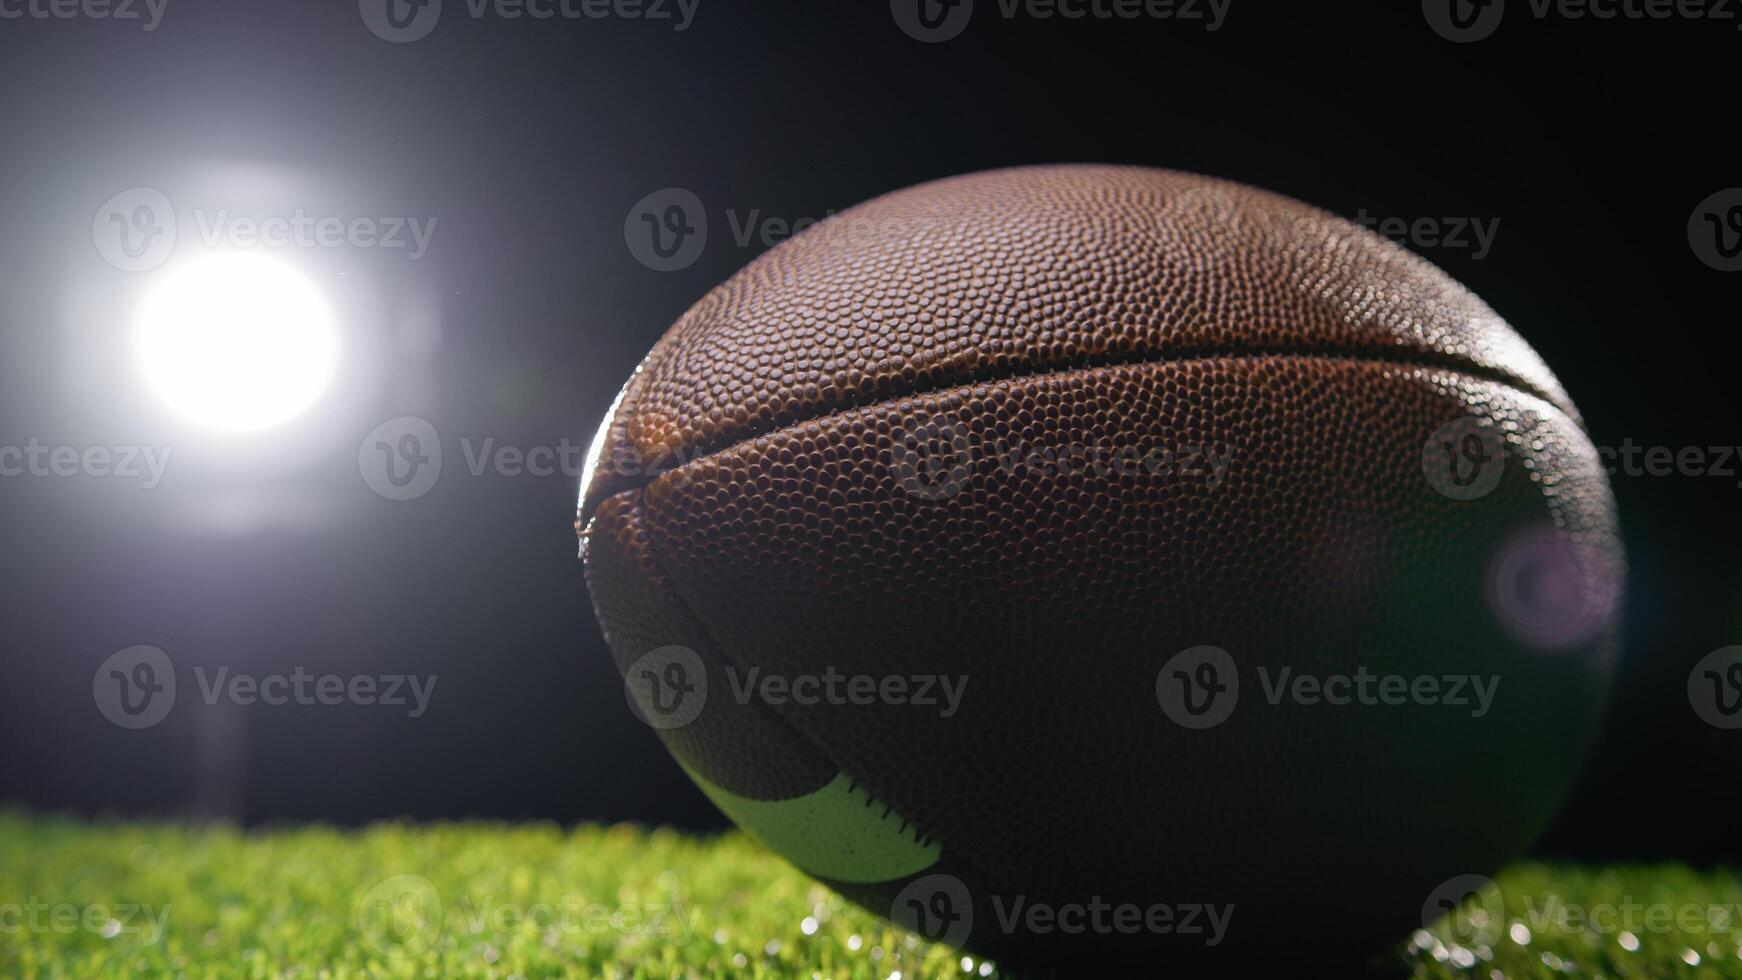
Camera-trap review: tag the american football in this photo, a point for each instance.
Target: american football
(1217, 511)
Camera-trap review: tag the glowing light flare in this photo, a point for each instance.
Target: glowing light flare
(236, 341)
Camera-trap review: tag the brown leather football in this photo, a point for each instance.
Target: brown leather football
(1102, 564)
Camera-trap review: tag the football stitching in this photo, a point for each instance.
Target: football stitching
(908, 826)
(612, 484)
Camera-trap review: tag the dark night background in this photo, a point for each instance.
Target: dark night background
(1592, 142)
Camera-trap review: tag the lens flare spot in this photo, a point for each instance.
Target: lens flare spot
(236, 341)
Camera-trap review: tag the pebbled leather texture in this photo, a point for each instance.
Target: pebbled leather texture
(1030, 270)
(1039, 430)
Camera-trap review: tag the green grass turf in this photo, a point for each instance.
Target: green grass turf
(80, 899)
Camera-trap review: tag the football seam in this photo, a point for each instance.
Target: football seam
(950, 860)
(1431, 362)
(856, 786)
(908, 828)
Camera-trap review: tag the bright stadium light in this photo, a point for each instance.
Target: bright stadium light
(236, 341)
